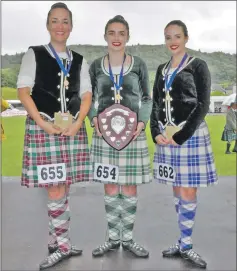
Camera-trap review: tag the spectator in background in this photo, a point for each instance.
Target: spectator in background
(230, 134)
(4, 106)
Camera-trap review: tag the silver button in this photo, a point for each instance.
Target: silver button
(170, 88)
(59, 73)
(112, 88)
(67, 99)
(58, 86)
(163, 100)
(66, 87)
(59, 99)
(68, 75)
(165, 119)
(171, 109)
(172, 119)
(164, 109)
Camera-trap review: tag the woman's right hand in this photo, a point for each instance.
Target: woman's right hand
(95, 121)
(160, 139)
(50, 128)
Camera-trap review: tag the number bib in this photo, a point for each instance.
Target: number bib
(106, 173)
(165, 172)
(51, 173)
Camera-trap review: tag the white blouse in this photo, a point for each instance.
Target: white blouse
(26, 77)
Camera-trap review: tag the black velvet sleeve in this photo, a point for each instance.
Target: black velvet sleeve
(202, 79)
(146, 102)
(93, 112)
(154, 126)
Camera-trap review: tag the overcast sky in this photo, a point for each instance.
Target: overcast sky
(211, 25)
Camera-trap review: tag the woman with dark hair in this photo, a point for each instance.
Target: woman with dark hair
(54, 87)
(183, 156)
(120, 87)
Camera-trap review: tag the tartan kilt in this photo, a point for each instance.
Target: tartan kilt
(41, 148)
(193, 161)
(133, 161)
(228, 135)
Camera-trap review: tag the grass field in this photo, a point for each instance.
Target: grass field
(12, 147)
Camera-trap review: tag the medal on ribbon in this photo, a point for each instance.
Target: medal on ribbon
(63, 69)
(117, 123)
(62, 119)
(171, 128)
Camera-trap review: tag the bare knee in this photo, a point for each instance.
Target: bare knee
(129, 190)
(56, 192)
(111, 189)
(188, 193)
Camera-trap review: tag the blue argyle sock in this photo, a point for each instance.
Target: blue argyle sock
(187, 212)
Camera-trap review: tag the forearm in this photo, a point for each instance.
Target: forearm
(85, 106)
(29, 105)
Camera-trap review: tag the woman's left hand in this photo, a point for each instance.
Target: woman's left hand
(140, 126)
(72, 129)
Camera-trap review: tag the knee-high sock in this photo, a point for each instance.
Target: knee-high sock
(187, 211)
(60, 215)
(52, 241)
(113, 211)
(176, 204)
(128, 215)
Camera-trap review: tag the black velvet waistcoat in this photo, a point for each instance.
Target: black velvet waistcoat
(48, 93)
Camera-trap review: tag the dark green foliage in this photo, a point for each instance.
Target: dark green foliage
(222, 65)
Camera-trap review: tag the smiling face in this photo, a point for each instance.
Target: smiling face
(116, 36)
(175, 39)
(59, 25)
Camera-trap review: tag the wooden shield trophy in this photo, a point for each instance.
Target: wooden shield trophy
(117, 125)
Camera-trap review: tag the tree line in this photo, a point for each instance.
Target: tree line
(221, 65)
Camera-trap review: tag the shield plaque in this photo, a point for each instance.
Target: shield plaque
(117, 125)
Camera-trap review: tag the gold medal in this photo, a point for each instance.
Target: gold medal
(66, 83)
(167, 97)
(63, 120)
(118, 97)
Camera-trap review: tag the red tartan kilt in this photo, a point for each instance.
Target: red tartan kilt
(41, 148)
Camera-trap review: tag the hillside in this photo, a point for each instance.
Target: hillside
(222, 65)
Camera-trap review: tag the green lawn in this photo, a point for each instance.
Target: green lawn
(12, 147)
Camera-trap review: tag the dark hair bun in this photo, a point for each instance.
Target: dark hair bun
(59, 5)
(119, 17)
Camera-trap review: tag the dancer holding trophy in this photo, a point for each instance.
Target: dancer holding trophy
(121, 107)
(54, 87)
(183, 156)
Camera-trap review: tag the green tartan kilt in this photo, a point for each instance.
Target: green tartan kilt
(133, 161)
(228, 135)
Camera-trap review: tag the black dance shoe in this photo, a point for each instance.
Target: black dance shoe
(135, 248)
(172, 251)
(107, 246)
(74, 250)
(54, 258)
(193, 257)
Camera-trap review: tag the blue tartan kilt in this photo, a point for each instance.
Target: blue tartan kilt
(228, 135)
(192, 162)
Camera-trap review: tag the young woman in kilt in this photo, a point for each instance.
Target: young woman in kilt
(132, 163)
(183, 156)
(230, 131)
(54, 79)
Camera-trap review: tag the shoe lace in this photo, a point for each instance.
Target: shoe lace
(54, 256)
(105, 246)
(193, 254)
(176, 246)
(136, 246)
